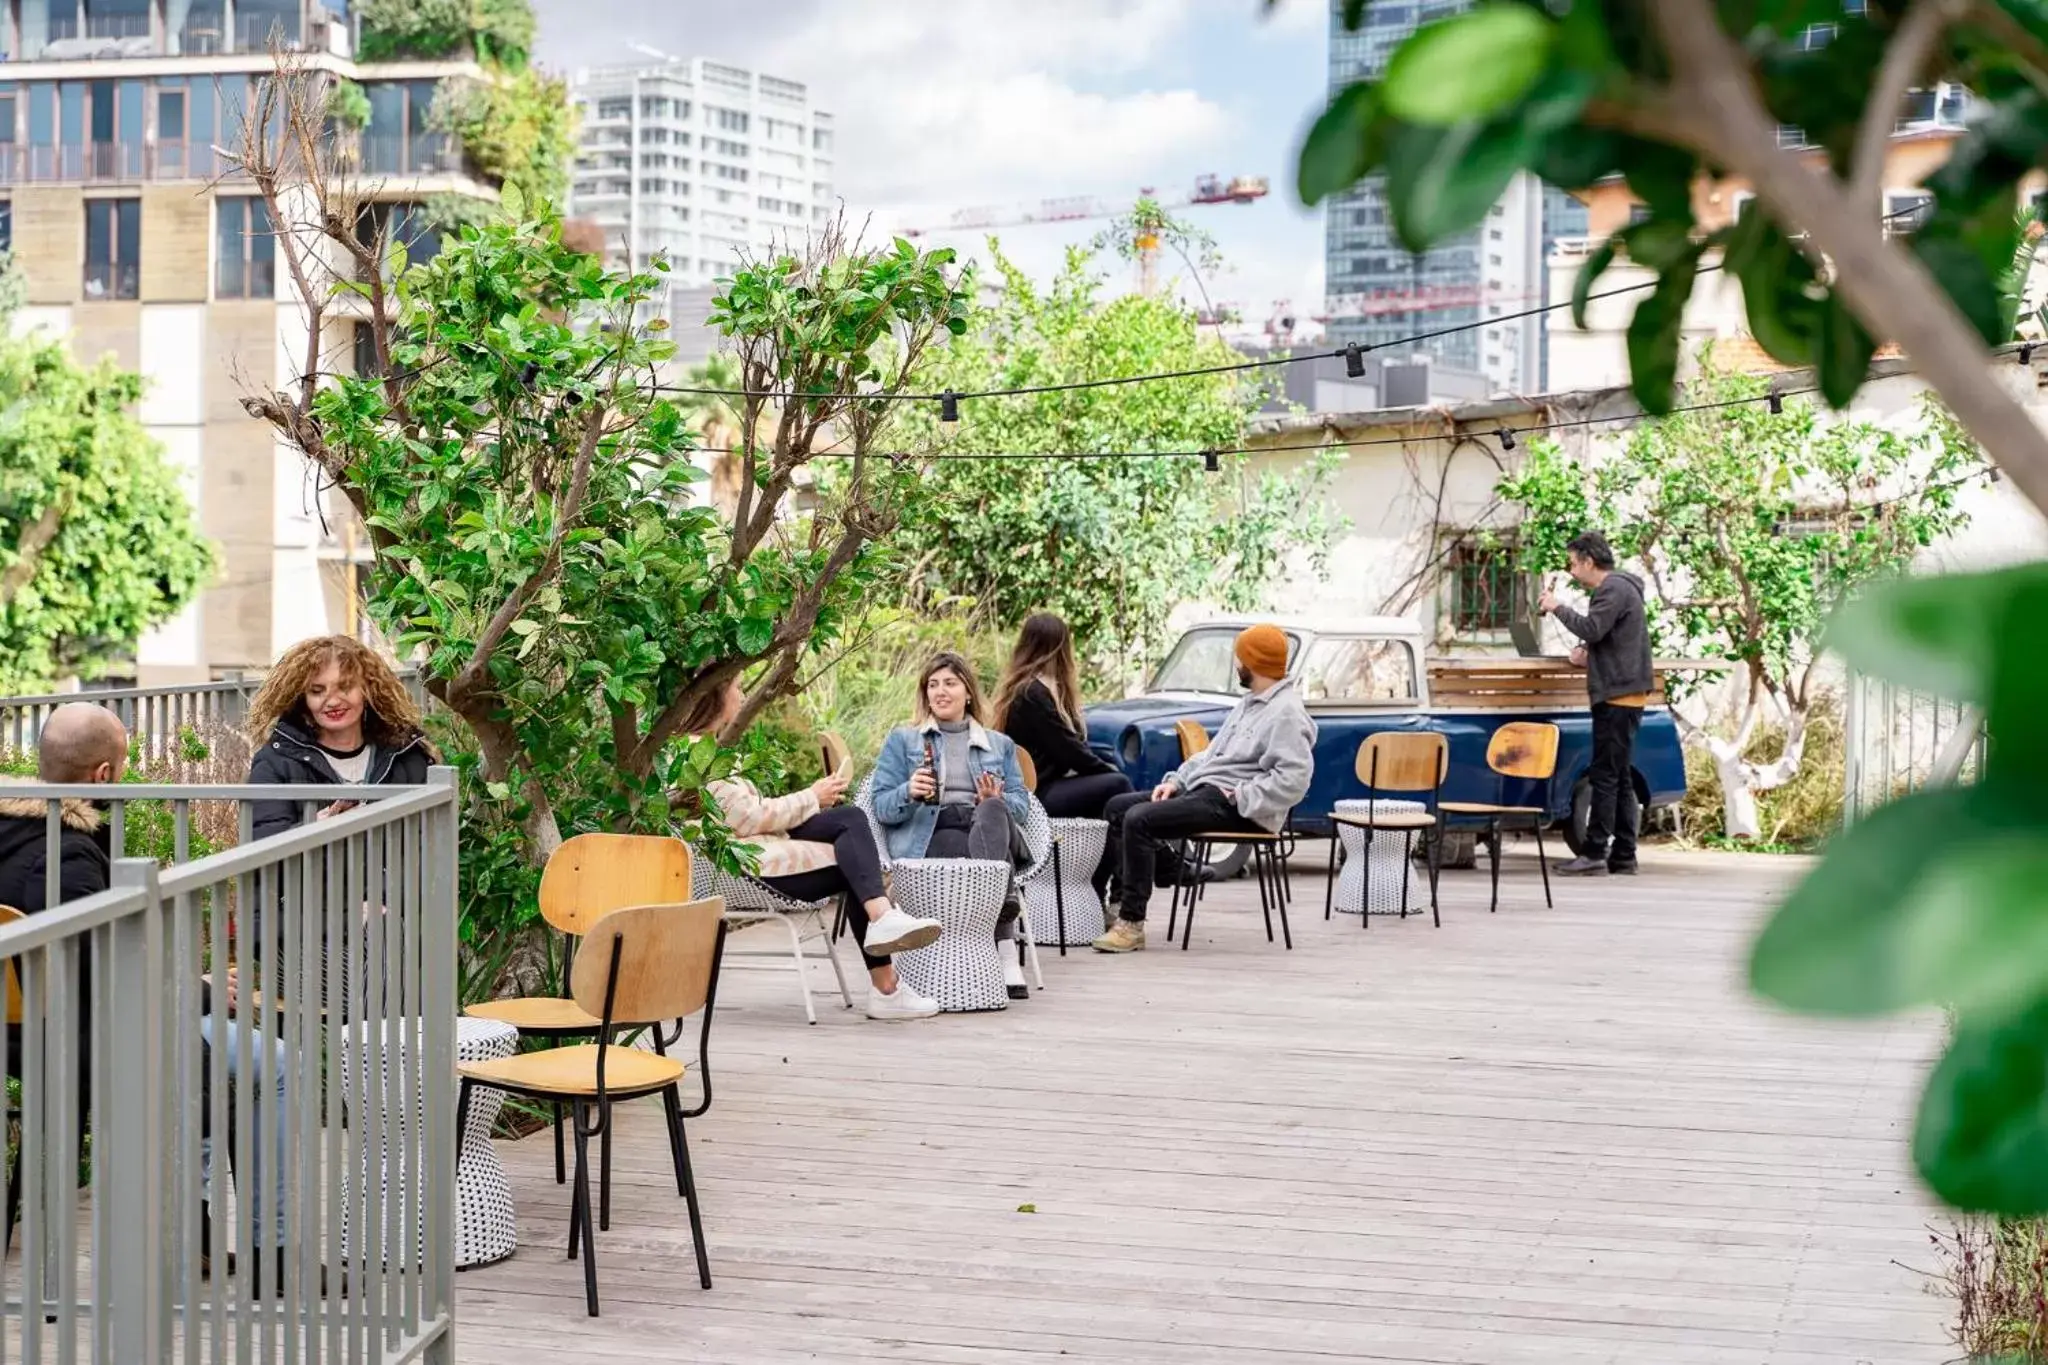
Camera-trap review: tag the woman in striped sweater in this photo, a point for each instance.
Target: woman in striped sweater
(812, 848)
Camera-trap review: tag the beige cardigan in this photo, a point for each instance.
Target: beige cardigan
(765, 822)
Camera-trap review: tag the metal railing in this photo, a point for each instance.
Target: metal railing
(326, 1098)
(1898, 741)
(158, 716)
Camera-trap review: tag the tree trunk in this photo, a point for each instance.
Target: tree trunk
(1743, 781)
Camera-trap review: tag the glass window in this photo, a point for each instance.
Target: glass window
(113, 248)
(7, 105)
(1206, 661)
(245, 249)
(6, 225)
(1357, 670)
(622, 108)
(170, 115)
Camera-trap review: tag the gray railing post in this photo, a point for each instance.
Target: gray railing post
(128, 1155)
(437, 1004)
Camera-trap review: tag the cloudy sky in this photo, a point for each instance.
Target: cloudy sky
(944, 104)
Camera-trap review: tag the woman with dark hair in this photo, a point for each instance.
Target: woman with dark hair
(1038, 704)
(947, 786)
(812, 848)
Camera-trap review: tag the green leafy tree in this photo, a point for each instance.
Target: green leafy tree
(1113, 545)
(97, 541)
(516, 125)
(1750, 526)
(539, 540)
(1938, 898)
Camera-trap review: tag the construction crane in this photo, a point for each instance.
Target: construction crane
(1208, 189)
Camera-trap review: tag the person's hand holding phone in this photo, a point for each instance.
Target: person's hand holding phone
(829, 790)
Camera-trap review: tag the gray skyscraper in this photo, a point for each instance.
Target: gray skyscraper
(1380, 292)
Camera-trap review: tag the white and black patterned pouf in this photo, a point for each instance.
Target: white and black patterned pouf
(963, 970)
(1081, 843)
(1389, 865)
(486, 1229)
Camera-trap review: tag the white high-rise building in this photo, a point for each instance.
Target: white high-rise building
(697, 162)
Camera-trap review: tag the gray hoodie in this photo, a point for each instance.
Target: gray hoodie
(1616, 629)
(1264, 755)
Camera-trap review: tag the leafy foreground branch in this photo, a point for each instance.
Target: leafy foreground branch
(532, 497)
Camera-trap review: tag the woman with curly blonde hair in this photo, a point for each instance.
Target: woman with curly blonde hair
(332, 713)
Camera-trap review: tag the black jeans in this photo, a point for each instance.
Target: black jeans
(859, 870)
(1081, 798)
(1140, 828)
(1611, 823)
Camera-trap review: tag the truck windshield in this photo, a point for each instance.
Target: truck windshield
(1206, 661)
(1358, 669)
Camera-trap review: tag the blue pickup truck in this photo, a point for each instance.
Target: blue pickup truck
(1362, 676)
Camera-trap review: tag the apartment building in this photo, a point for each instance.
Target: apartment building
(697, 162)
(134, 242)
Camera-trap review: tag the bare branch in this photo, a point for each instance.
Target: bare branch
(1905, 62)
(570, 509)
(35, 539)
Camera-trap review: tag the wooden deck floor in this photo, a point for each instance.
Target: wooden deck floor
(1545, 1136)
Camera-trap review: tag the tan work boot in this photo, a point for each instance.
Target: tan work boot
(1124, 936)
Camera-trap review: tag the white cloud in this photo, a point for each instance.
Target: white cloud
(993, 100)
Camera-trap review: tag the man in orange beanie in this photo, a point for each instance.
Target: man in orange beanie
(1251, 775)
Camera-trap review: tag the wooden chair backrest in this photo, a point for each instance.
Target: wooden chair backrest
(1523, 748)
(594, 874)
(666, 957)
(833, 753)
(1193, 738)
(8, 915)
(1403, 761)
(1030, 769)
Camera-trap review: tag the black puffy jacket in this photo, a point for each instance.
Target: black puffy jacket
(86, 868)
(291, 758)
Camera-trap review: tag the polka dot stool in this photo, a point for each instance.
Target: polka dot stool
(963, 970)
(1081, 843)
(485, 1227)
(1390, 869)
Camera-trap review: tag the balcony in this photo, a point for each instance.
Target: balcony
(398, 154)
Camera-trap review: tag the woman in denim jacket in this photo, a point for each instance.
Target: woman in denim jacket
(947, 786)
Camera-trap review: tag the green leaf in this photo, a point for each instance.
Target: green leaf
(1596, 263)
(1982, 1137)
(1775, 276)
(1654, 334)
(1844, 353)
(1939, 635)
(524, 627)
(1658, 243)
(755, 634)
(1347, 143)
(1442, 181)
(1660, 176)
(1932, 899)
(1472, 66)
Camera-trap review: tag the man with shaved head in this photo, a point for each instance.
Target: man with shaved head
(80, 743)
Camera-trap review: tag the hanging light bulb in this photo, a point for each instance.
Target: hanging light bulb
(1354, 361)
(1211, 461)
(1507, 438)
(1777, 403)
(949, 406)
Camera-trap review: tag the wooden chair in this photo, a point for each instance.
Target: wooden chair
(1193, 738)
(586, 879)
(1028, 768)
(1395, 761)
(1520, 749)
(641, 965)
(833, 755)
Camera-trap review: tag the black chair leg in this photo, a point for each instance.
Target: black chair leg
(579, 1192)
(604, 1183)
(1543, 861)
(1286, 934)
(1260, 870)
(696, 1216)
(1407, 858)
(1330, 878)
(1059, 897)
(583, 1200)
(13, 1199)
(561, 1159)
(1436, 846)
(672, 1102)
(1493, 860)
(1365, 883)
(1187, 933)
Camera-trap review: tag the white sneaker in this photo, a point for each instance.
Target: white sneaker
(1013, 975)
(898, 931)
(904, 1003)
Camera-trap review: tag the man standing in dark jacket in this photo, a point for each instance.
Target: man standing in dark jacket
(80, 743)
(1616, 657)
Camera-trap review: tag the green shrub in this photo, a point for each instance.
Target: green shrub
(424, 29)
(348, 105)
